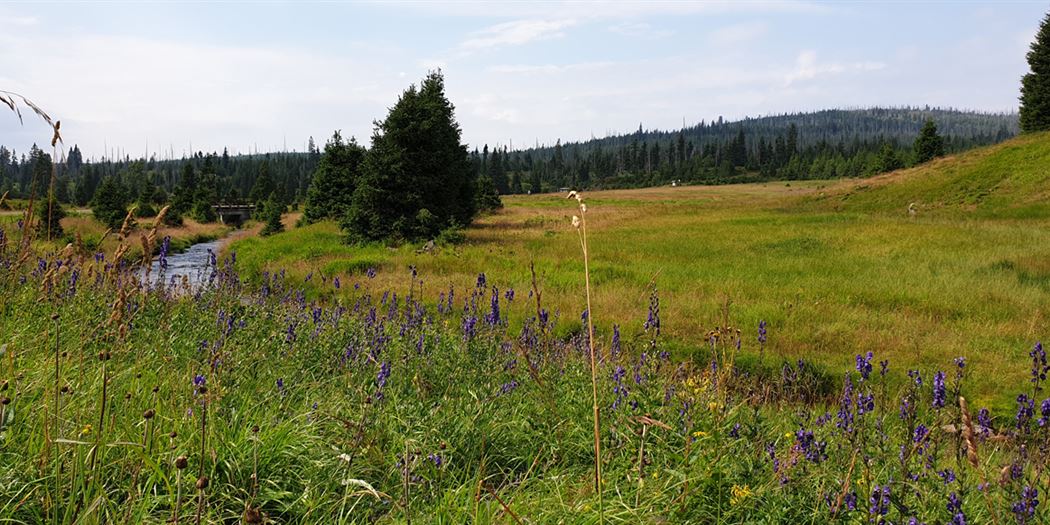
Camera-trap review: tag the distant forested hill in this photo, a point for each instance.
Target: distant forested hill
(824, 144)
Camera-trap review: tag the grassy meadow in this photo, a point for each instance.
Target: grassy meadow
(835, 269)
(306, 381)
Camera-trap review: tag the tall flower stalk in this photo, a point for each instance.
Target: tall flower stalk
(580, 223)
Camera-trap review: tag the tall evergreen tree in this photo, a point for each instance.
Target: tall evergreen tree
(332, 187)
(1035, 86)
(929, 145)
(416, 178)
(49, 219)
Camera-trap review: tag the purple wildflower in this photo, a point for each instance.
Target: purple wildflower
(864, 365)
(940, 392)
(1025, 509)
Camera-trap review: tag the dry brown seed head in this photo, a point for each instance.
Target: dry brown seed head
(181, 462)
(173, 434)
(156, 389)
(5, 400)
(148, 414)
(252, 515)
(127, 396)
(202, 483)
(255, 429)
(64, 389)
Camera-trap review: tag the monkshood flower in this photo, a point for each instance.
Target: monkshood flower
(813, 450)
(507, 388)
(619, 389)
(371, 273)
(1044, 411)
(880, 503)
(652, 322)
(165, 246)
(984, 420)
(845, 414)
(955, 509)
(762, 333)
(864, 365)
(916, 377)
(1025, 509)
(948, 475)
(509, 295)
(960, 366)
(1025, 412)
(436, 459)
(381, 378)
(850, 501)
(493, 317)
(481, 281)
(616, 341)
(940, 392)
(1039, 366)
(335, 282)
(884, 367)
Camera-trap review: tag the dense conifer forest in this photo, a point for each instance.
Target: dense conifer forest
(820, 145)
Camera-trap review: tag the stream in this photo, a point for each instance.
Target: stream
(192, 264)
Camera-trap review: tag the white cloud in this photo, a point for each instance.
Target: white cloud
(516, 33)
(807, 67)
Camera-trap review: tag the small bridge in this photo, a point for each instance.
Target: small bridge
(233, 214)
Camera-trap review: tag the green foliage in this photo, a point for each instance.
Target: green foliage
(416, 163)
(272, 210)
(49, 215)
(929, 145)
(203, 212)
(332, 186)
(487, 195)
(110, 204)
(889, 159)
(1035, 85)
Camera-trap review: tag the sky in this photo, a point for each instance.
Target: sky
(170, 78)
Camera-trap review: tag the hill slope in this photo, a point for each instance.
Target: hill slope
(1008, 180)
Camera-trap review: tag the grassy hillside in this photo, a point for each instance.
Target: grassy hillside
(1008, 180)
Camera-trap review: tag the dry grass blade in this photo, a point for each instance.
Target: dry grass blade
(10, 101)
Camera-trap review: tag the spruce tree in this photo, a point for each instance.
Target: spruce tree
(487, 195)
(888, 160)
(272, 210)
(1035, 86)
(416, 178)
(49, 219)
(332, 186)
(110, 204)
(928, 145)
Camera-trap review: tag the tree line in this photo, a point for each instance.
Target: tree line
(821, 145)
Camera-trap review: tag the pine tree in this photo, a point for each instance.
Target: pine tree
(1035, 86)
(110, 204)
(416, 178)
(332, 187)
(928, 145)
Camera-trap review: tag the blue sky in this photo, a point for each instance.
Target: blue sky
(264, 76)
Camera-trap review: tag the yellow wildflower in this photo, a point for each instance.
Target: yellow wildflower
(740, 493)
(700, 434)
(86, 430)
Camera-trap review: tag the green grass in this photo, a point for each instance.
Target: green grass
(836, 268)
